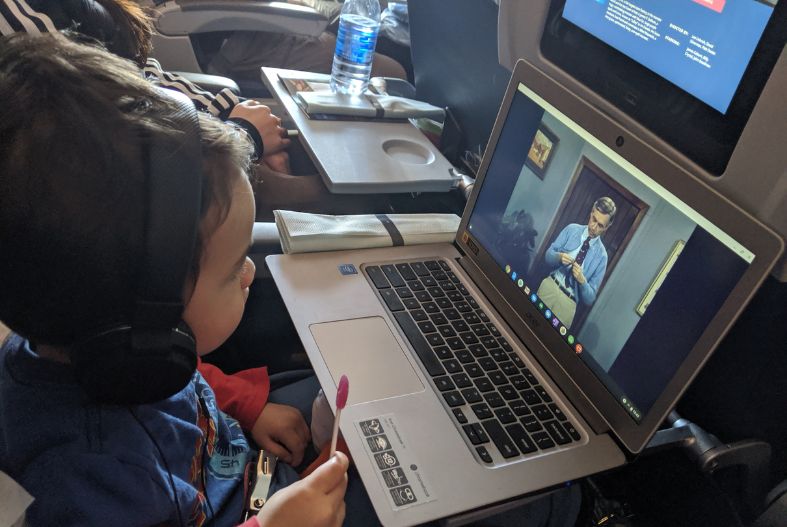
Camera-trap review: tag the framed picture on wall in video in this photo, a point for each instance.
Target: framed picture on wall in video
(541, 150)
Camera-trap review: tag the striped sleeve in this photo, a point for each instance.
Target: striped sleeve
(219, 105)
(16, 16)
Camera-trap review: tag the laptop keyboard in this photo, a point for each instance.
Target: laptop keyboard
(488, 390)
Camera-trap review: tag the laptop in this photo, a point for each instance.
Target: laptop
(589, 280)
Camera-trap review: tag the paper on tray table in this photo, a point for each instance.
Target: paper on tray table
(367, 105)
(14, 500)
(301, 232)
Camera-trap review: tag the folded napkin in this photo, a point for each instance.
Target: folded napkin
(368, 105)
(301, 232)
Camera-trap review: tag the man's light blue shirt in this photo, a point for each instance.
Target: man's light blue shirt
(570, 240)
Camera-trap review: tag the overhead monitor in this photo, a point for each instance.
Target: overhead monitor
(689, 70)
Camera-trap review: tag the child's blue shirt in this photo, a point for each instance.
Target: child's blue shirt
(92, 464)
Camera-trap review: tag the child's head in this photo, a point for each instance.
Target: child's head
(73, 197)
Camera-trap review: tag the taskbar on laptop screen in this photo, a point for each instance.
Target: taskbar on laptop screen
(628, 275)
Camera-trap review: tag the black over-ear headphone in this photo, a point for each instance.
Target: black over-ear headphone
(154, 355)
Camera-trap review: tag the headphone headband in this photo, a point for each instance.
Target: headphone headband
(154, 355)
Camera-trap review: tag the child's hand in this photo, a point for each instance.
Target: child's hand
(315, 501)
(267, 124)
(282, 431)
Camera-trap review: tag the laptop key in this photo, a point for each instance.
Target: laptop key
(411, 303)
(483, 384)
(462, 380)
(435, 291)
(430, 307)
(451, 313)
(494, 399)
(426, 327)
(474, 370)
(505, 415)
(558, 412)
(504, 344)
(493, 330)
(447, 331)
(471, 395)
(378, 277)
(419, 344)
(508, 392)
(500, 438)
(406, 271)
(428, 281)
(479, 431)
(443, 352)
(444, 383)
(391, 299)
(519, 407)
(483, 453)
(444, 265)
(432, 265)
(482, 316)
(464, 356)
(487, 363)
(419, 315)
(543, 393)
(542, 412)
(440, 276)
(447, 285)
(543, 440)
(530, 397)
(438, 319)
(522, 440)
(480, 330)
(572, 431)
(453, 398)
(452, 366)
(471, 435)
(463, 289)
(509, 368)
(443, 302)
(478, 350)
(452, 277)
(471, 318)
(404, 292)
(530, 423)
(498, 377)
(415, 285)
(460, 415)
(469, 338)
(460, 325)
(393, 275)
(434, 339)
(556, 431)
(519, 382)
(423, 296)
(482, 411)
(420, 269)
(455, 343)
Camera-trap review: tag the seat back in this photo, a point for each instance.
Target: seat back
(454, 54)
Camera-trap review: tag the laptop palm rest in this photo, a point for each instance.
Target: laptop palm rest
(365, 350)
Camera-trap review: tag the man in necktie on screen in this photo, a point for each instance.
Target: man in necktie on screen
(579, 261)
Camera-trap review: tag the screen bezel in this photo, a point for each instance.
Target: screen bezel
(567, 369)
(708, 137)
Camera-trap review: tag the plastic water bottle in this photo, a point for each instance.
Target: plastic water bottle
(359, 24)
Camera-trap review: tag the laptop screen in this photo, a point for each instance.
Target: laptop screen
(623, 271)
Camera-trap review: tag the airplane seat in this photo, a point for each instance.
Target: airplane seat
(453, 48)
(189, 32)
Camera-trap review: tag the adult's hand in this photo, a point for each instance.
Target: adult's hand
(565, 259)
(267, 124)
(576, 270)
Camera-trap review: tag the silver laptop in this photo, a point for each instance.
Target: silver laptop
(589, 280)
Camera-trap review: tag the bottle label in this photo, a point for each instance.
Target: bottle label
(356, 39)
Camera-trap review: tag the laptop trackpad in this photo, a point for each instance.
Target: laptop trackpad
(365, 350)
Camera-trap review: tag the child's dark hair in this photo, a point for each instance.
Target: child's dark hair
(72, 183)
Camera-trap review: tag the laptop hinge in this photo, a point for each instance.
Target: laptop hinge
(537, 351)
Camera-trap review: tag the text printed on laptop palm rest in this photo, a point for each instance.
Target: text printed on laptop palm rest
(489, 391)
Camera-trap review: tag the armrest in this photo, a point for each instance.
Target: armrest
(211, 83)
(186, 17)
(265, 238)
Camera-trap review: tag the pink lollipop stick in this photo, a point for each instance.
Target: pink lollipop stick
(341, 400)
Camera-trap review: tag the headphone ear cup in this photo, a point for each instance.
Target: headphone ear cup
(128, 367)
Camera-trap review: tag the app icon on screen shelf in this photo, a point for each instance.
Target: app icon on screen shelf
(520, 282)
(508, 269)
(570, 339)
